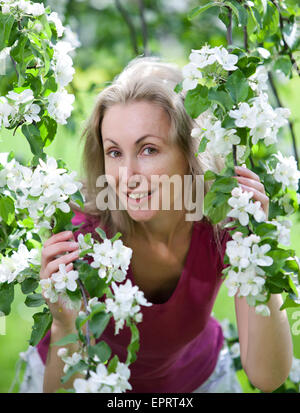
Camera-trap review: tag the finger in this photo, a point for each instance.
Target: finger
(246, 172)
(53, 266)
(251, 183)
(51, 251)
(61, 236)
(258, 196)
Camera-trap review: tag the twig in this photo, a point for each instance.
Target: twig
(144, 27)
(87, 335)
(286, 46)
(130, 25)
(291, 126)
(229, 28)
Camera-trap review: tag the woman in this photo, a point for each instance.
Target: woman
(139, 123)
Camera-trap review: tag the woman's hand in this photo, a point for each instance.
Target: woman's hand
(53, 254)
(250, 182)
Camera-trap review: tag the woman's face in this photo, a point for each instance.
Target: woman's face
(135, 137)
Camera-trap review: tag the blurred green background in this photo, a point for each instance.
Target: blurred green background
(160, 28)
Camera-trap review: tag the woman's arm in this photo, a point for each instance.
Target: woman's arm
(265, 343)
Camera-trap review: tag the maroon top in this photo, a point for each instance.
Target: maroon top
(179, 340)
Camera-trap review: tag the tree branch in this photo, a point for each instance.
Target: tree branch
(87, 335)
(130, 25)
(144, 27)
(291, 126)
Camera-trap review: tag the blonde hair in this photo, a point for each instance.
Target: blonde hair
(144, 79)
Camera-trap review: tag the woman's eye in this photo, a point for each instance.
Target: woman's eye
(110, 153)
(151, 150)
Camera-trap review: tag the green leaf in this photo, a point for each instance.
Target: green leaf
(69, 339)
(34, 300)
(216, 206)
(98, 323)
(116, 236)
(239, 11)
(7, 294)
(289, 302)
(265, 230)
(237, 86)
(101, 233)
(6, 23)
(47, 127)
(94, 284)
(79, 367)
(62, 220)
(29, 285)
(42, 323)
(283, 64)
(34, 138)
(101, 349)
(203, 143)
(78, 199)
(133, 345)
(112, 365)
(210, 175)
(224, 184)
(196, 101)
(222, 98)
(7, 209)
(198, 10)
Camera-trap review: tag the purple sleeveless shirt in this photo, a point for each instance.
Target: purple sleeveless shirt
(179, 340)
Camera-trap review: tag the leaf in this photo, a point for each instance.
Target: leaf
(112, 365)
(196, 101)
(203, 143)
(94, 284)
(210, 175)
(216, 206)
(289, 302)
(42, 323)
(78, 198)
(69, 339)
(133, 345)
(283, 64)
(6, 24)
(239, 11)
(34, 300)
(62, 220)
(29, 285)
(116, 237)
(79, 367)
(7, 209)
(198, 10)
(7, 294)
(47, 127)
(224, 184)
(98, 323)
(34, 139)
(222, 98)
(237, 86)
(101, 233)
(101, 349)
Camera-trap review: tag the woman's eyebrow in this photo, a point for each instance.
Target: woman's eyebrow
(138, 140)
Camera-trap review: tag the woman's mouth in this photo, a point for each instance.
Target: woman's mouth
(138, 197)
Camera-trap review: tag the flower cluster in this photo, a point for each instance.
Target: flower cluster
(18, 107)
(286, 171)
(101, 381)
(262, 120)
(220, 140)
(69, 360)
(246, 276)
(12, 266)
(126, 303)
(40, 191)
(58, 283)
(294, 375)
(200, 59)
(112, 259)
(243, 206)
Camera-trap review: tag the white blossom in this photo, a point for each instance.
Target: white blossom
(31, 113)
(242, 206)
(294, 375)
(191, 76)
(53, 17)
(60, 106)
(245, 116)
(286, 171)
(5, 111)
(235, 350)
(126, 303)
(64, 280)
